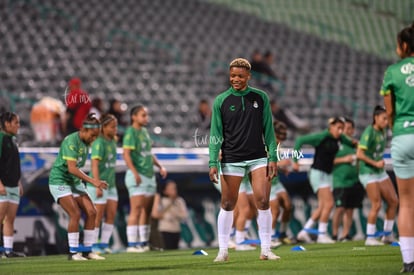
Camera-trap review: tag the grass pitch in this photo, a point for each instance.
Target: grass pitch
(340, 258)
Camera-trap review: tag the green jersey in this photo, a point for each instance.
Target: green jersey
(72, 148)
(139, 142)
(399, 83)
(345, 174)
(104, 150)
(373, 143)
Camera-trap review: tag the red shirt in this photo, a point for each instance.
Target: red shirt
(79, 103)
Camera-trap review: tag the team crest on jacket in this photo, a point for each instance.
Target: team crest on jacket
(255, 105)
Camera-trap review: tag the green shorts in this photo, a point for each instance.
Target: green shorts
(108, 194)
(12, 195)
(366, 179)
(242, 168)
(63, 190)
(147, 187)
(319, 179)
(402, 154)
(277, 187)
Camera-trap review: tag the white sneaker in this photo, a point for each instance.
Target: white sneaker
(93, 256)
(275, 243)
(244, 247)
(76, 257)
(303, 236)
(269, 255)
(324, 239)
(373, 242)
(134, 249)
(222, 257)
(145, 248)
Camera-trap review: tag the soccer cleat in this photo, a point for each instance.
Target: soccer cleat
(244, 247)
(275, 243)
(76, 257)
(324, 239)
(303, 236)
(145, 248)
(407, 268)
(222, 257)
(269, 255)
(134, 249)
(92, 256)
(373, 242)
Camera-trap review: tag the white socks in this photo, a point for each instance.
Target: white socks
(73, 240)
(407, 249)
(264, 222)
(224, 223)
(106, 232)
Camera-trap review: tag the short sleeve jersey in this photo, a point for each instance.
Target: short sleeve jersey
(140, 144)
(104, 150)
(373, 143)
(72, 148)
(399, 82)
(345, 174)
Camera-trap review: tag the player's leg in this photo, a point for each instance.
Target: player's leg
(243, 209)
(144, 226)
(285, 202)
(86, 205)
(347, 220)
(8, 230)
(71, 208)
(337, 217)
(374, 196)
(389, 195)
(325, 200)
(100, 209)
(261, 191)
(230, 185)
(108, 224)
(406, 222)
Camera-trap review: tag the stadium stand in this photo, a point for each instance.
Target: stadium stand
(169, 54)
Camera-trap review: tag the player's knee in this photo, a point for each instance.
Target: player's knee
(262, 203)
(227, 204)
(91, 213)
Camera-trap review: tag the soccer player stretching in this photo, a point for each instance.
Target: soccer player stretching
(241, 126)
(68, 190)
(398, 91)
